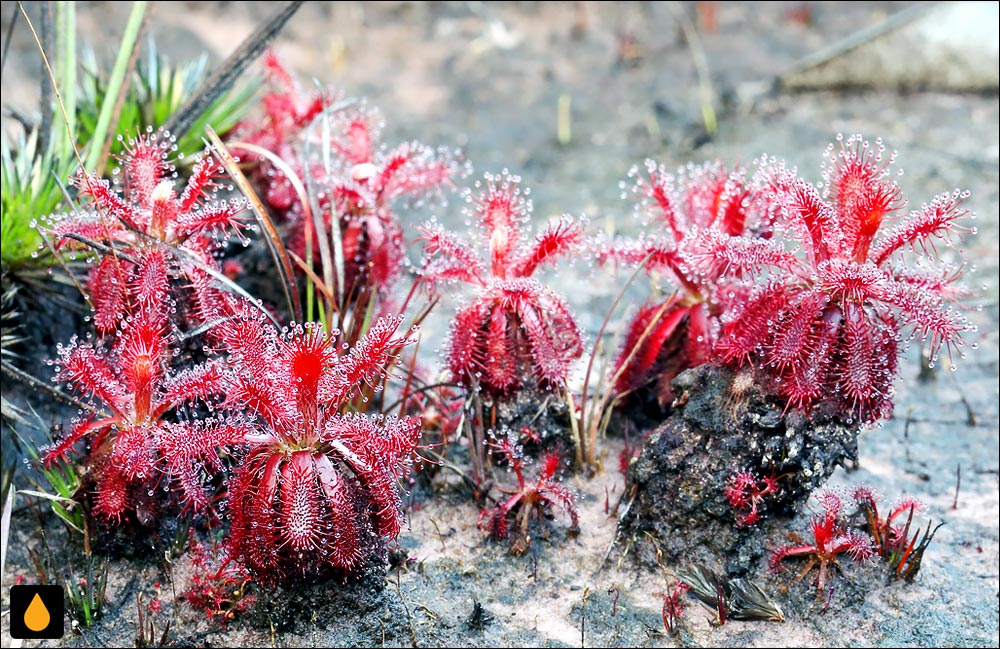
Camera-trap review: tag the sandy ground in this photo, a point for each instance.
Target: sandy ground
(488, 78)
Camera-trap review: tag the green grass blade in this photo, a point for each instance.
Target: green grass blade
(66, 76)
(115, 82)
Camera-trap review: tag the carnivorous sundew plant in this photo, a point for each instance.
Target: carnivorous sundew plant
(813, 286)
(151, 435)
(712, 234)
(143, 215)
(530, 502)
(515, 332)
(831, 537)
(828, 320)
(812, 319)
(346, 222)
(148, 287)
(317, 488)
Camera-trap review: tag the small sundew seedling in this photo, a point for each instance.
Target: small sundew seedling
(831, 539)
(673, 606)
(746, 492)
(530, 500)
(220, 585)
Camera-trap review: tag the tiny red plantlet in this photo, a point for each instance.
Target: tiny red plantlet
(893, 542)
(673, 606)
(746, 492)
(831, 538)
(530, 499)
(219, 585)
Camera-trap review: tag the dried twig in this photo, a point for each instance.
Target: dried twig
(227, 73)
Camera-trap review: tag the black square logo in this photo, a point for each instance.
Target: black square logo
(36, 612)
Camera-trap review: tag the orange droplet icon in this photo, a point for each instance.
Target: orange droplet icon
(37, 617)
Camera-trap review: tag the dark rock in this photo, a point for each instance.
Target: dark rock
(724, 422)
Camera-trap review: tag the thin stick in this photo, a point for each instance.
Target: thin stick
(65, 267)
(271, 236)
(584, 423)
(32, 382)
(10, 33)
(227, 73)
(303, 194)
(314, 279)
(55, 87)
(100, 247)
(426, 388)
(958, 485)
(409, 618)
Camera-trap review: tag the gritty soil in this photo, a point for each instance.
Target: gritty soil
(489, 78)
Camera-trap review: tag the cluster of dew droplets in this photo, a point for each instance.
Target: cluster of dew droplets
(856, 149)
(642, 188)
(496, 198)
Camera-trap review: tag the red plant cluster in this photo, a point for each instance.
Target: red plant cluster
(673, 606)
(746, 492)
(516, 332)
(528, 499)
(902, 552)
(219, 585)
(143, 435)
(145, 215)
(829, 322)
(831, 538)
(287, 112)
(823, 315)
(888, 538)
(317, 488)
(803, 283)
(711, 236)
(157, 249)
(355, 178)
